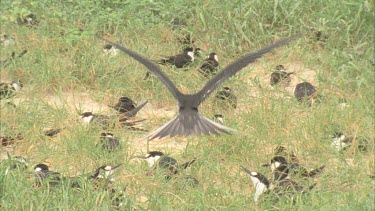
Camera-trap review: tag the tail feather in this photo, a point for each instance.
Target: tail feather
(197, 125)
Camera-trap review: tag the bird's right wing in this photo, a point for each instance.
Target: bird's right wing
(236, 66)
(149, 65)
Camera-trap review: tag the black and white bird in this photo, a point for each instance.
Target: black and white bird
(281, 168)
(103, 174)
(280, 76)
(283, 187)
(42, 173)
(8, 89)
(29, 20)
(110, 50)
(260, 182)
(340, 142)
(180, 60)
(304, 91)
(109, 142)
(169, 165)
(189, 121)
(219, 118)
(106, 121)
(210, 65)
(226, 95)
(124, 105)
(52, 132)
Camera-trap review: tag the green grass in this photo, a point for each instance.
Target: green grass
(64, 65)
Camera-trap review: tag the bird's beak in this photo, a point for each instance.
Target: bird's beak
(115, 166)
(267, 164)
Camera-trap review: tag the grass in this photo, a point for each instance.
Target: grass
(65, 73)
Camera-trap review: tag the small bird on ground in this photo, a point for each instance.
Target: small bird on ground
(180, 60)
(304, 91)
(226, 95)
(103, 176)
(280, 76)
(109, 142)
(52, 132)
(110, 50)
(340, 142)
(42, 174)
(29, 20)
(124, 105)
(283, 187)
(8, 89)
(210, 65)
(280, 167)
(105, 121)
(157, 159)
(189, 121)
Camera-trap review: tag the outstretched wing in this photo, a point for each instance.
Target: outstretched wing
(236, 66)
(150, 66)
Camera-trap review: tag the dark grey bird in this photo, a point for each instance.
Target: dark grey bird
(179, 60)
(157, 159)
(210, 65)
(52, 132)
(280, 76)
(226, 95)
(42, 173)
(8, 89)
(124, 105)
(304, 90)
(189, 121)
(109, 142)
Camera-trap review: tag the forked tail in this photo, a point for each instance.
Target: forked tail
(188, 125)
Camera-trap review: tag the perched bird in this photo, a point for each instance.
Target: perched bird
(110, 50)
(189, 121)
(260, 182)
(226, 95)
(103, 175)
(210, 65)
(42, 173)
(29, 20)
(280, 76)
(341, 143)
(304, 90)
(282, 187)
(8, 90)
(168, 164)
(109, 142)
(106, 121)
(219, 118)
(124, 105)
(52, 132)
(281, 168)
(180, 60)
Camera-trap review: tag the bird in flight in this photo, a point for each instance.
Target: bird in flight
(189, 121)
